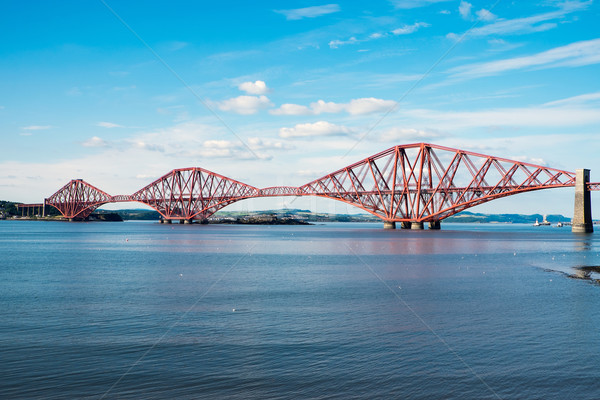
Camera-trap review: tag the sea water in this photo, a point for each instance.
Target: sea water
(140, 310)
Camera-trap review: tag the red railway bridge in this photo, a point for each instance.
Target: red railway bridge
(408, 184)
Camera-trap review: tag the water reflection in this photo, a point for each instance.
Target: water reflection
(583, 244)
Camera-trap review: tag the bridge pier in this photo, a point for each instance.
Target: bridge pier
(416, 225)
(582, 214)
(405, 225)
(389, 225)
(435, 225)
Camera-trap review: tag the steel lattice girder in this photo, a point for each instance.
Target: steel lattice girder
(423, 182)
(417, 182)
(78, 199)
(192, 193)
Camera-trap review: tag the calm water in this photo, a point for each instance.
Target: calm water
(147, 311)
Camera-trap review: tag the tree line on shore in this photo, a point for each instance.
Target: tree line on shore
(9, 209)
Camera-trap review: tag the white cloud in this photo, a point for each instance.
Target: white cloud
(254, 143)
(321, 106)
(36, 127)
(309, 12)
(360, 106)
(485, 15)
(148, 146)
(317, 129)
(576, 100)
(257, 87)
(575, 54)
(532, 117)
(334, 44)
(520, 26)
(193, 140)
(404, 135)
(95, 142)
(369, 105)
(291, 109)
(306, 173)
(221, 144)
(245, 105)
(268, 144)
(404, 30)
(109, 125)
(407, 29)
(465, 9)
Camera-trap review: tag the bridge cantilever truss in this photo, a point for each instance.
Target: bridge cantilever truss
(78, 199)
(418, 182)
(192, 193)
(423, 182)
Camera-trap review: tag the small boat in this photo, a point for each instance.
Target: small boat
(543, 223)
(559, 225)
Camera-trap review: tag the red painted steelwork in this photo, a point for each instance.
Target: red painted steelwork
(78, 199)
(192, 193)
(424, 182)
(594, 186)
(418, 182)
(279, 191)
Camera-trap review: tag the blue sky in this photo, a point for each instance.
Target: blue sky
(281, 93)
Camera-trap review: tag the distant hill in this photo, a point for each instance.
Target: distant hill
(309, 216)
(134, 214)
(467, 216)
(8, 209)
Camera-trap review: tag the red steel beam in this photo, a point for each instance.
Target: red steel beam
(418, 182)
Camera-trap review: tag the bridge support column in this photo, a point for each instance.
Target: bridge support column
(389, 225)
(582, 214)
(434, 225)
(187, 221)
(405, 224)
(416, 225)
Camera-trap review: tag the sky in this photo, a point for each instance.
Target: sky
(281, 93)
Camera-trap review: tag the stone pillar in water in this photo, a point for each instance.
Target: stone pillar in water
(389, 225)
(434, 225)
(582, 215)
(416, 225)
(405, 224)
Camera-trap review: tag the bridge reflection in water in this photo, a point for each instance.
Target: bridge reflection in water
(411, 184)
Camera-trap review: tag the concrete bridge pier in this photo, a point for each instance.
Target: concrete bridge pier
(416, 225)
(405, 224)
(389, 225)
(435, 225)
(582, 214)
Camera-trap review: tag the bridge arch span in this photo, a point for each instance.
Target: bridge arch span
(423, 182)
